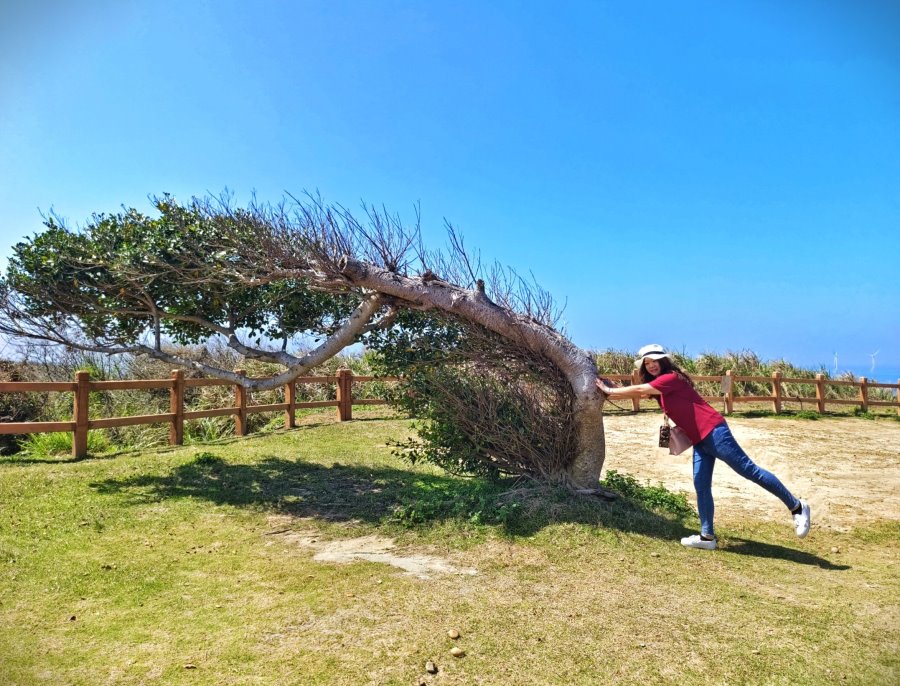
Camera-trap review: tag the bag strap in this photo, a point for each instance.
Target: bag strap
(665, 419)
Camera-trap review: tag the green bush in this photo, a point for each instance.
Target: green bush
(486, 407)
(657, 498)
(478, 421)
(477, 503)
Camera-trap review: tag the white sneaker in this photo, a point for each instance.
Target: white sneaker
(802, 520)
(696, 541)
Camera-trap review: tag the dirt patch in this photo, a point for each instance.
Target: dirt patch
(372, 549)
(848, 469)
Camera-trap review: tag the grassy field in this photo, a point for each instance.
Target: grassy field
(198, 565)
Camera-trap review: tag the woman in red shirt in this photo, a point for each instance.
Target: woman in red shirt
(710, 436)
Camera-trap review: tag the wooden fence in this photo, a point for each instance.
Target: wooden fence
(176, 416)
(778, 398)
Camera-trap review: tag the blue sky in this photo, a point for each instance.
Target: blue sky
(711, 176)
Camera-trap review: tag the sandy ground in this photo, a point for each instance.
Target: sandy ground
(368, 549)
(848, 469)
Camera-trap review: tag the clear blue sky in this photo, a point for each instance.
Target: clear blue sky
(707, 175)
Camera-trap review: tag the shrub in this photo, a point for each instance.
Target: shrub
(474, 420)
(485, 406)
(653, 497)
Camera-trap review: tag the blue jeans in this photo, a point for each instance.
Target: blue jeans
(719, 443)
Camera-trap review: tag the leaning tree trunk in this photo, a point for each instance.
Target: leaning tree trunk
(584, 471)
(426, 293)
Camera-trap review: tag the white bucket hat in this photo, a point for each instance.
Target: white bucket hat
(654, 351)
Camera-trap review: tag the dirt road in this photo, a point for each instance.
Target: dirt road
(848, 468)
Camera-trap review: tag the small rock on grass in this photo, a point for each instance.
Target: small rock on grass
(431, 668)
(457, 652)
(835, 549)
(453, 633)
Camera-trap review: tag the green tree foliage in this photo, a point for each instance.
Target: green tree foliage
(128, 274)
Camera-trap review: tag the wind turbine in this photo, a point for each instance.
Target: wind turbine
(872, 355)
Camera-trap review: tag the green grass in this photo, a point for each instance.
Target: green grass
(46, 446)
(182, 566)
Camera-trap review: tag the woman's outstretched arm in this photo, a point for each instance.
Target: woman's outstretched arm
(643, 390)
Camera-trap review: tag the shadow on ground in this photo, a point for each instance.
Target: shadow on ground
(742, 546)
(386, 495)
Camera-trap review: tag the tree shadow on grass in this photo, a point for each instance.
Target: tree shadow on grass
(742, 546)
(61, 459)
(385, 495)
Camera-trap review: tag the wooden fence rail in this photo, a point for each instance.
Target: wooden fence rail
(176, 416)
(728, 397)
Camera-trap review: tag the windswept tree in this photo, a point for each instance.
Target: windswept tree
(503, 390)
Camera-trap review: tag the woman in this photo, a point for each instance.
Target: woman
(710, 436)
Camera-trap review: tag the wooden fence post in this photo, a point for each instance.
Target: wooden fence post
(345, 394)
(80, 414)
(776, 391)
(728, 391)
(176, 407)
(864, 393)
(240, 402)
(290, 397)
(820, 393)
(635, 381)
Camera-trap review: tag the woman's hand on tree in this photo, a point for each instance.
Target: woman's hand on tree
(606, 390)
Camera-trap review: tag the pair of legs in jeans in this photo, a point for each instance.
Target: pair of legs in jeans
(720, 444)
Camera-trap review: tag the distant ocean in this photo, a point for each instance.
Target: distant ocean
(882, 374)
